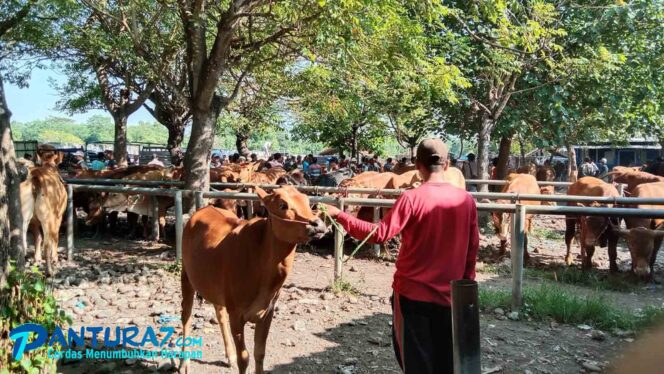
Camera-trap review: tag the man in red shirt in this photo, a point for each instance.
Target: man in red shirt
(439, 243)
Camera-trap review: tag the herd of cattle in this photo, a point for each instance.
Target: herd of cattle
(43, 200)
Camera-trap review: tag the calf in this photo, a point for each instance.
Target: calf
(517, 184)
(43, 203)
(239, 266)
(593, 230)
(644, 235)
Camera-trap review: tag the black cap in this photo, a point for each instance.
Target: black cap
(432, 152)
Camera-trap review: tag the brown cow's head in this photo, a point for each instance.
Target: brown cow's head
(594, 228)
(548, 190)
(641, 243)
(501, 222)
(291, 216)
(95, 208)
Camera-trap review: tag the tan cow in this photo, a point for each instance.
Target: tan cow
(452, 176)
(592, 230)
(517, 184)
(239, 266)
(43, 203)
(644, 235)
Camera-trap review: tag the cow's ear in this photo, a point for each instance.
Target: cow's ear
(657, 233)
(261, 193)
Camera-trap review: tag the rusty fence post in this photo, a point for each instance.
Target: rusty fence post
(466, 327)
(339, 247)
(70, 222)
(179, 225)
(376, 219)
(155, 217)
(518, 250)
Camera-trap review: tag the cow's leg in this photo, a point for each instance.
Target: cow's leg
(132, 220)
(35, 229)
(613, 252)
(187, 305)
(113, 222)
(237, 328)
(653, 258)
(588, 257)
(50, 230)
(260, 339)
(145, 222)
(570, 231)
(225, 326)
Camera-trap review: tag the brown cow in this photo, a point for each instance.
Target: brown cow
(593, 230)
(452, 176)
(632, 178)
(43, 202)
(239, 266)
(49, 155)
(644, 235)
(517, 184)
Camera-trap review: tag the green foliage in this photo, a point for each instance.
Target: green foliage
(27, 298)
(342, 286)
(95, 129)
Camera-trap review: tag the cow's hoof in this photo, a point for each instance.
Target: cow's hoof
(569, 260)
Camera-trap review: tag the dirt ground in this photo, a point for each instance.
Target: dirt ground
(120, 282)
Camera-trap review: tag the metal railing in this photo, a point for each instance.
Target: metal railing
(518, 212)
(153, 192)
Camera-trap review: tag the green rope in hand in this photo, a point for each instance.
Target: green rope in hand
(337, 226)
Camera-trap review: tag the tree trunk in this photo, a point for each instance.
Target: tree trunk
(571, 164)
(503, 157)
(483, 142)
(120, 143)
(522, 151)
(353, 144)
(241, 144)
(11, 221)
(197, 157)
(661, 149)
(175, 137)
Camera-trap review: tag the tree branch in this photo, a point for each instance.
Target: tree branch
(12, 21)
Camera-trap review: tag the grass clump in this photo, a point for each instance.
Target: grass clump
(174, 267)
(586, 278)
(342, 286)
(545, 233)
(550, 302)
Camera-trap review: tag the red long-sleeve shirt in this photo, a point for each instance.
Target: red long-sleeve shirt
(439, 239)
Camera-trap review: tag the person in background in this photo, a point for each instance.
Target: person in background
(603, 169)
(493, 172)
(373, 165)
(307, 162)
(470, 171)
(27, 157)
(439, 244)
(354, 167)
(215, 162)
(588, 168)
(241, 159)
(110, 159)
(389, 164)
(377, 163)
(333, 164)
(277, 161)
(343, 161)
(298, 161)
(454, 163)
(156, 161)
(254, 157)
(289, 164)
(98, 164)
(79, 161)
(315, 170)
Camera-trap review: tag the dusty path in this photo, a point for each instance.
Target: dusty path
(123, 283)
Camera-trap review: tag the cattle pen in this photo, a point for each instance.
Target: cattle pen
(517, 210)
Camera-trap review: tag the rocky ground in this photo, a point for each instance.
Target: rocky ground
(119, 282)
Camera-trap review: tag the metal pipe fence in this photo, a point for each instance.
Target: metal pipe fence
(518, 212)
(152, 192)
